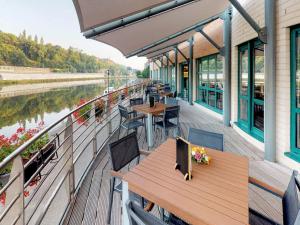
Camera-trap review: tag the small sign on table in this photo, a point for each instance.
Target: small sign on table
(183, 158)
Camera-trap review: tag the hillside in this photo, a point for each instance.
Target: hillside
(32, 52)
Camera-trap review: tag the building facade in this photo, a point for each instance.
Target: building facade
(249, 90)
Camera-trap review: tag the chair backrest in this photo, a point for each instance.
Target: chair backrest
(138, 216)
(155, 95)
(206, 139)
(290, 201)
(171, 101)
(167, 88)
(124, 151)
(123, 112)
(171, 112)
(175, 94)
(136, 101)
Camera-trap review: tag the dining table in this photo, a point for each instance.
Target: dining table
(150, 111)
(217, 194)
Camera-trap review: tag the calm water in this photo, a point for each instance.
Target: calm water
(28, 109)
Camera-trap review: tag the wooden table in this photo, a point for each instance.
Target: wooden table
(146, 109)
(216, 195)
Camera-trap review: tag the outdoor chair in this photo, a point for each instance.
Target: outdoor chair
(206, 139)
(123, 152)
(156, 96)
(290, 203)
(175, 94)
(130, 123)
(167, 123)
(171, 101)
(138, 216)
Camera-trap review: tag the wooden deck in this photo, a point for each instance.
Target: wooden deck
(91, 204)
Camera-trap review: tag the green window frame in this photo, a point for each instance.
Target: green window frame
(295, 95)
(251, 88)
(184, 93)
(209, 70)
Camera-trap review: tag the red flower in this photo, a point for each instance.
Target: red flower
(14, 138)
(3, 198)
(20, 130)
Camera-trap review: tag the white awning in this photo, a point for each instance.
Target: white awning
(92, 13)
(135, 36)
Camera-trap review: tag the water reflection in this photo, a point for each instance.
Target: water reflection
(28, 110)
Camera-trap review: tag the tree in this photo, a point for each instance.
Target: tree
(22, 51)
(36, 40)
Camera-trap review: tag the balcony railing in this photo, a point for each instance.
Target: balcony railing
(42, 190)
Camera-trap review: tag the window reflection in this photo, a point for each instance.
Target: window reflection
(298, 73)
(204, 72)
(212, 98)
(243, 109)
(258, 112)
(259, 73)
(244, 72)
(203, 96)
(298, 131)
(219, 100)
(212, 72)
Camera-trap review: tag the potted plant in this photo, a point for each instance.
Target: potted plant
(82, 115)
(37, 150)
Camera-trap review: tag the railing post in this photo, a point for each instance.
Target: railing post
(68, 147)
(108, 111)
(93, 120)
(15, 195)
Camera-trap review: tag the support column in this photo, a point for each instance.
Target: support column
(176, 68)
(161, 74)
(167, 72)
(270, 78)
(191, 41)
(227, 68)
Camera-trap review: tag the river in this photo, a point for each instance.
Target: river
(27, 105)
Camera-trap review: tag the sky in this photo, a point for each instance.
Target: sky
(56, 21)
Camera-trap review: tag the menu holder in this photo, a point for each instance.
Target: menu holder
(151, 100)
(183, 158)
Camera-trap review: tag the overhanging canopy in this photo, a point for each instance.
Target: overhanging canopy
(143, 33)
(93, 13)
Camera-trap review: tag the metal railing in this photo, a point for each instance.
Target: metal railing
(53, 175)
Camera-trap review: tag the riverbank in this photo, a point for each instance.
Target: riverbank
(39, 81)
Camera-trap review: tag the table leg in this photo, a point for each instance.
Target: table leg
(165, 99)
(125, 198)
(149, 130)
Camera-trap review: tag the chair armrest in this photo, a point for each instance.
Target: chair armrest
(117, 174)
(146, 153)
(266, 187)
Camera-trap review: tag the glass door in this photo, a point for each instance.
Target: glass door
(244, 91)
(251, 88)
(184, 81)
(295, 90)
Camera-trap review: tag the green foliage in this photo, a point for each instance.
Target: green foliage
(30, 52)
(143, 74)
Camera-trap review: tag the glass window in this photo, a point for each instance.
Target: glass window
(204, 72)
(259, 116)
(298, 132)
(298, 72)
(220, 100)
(212, 72)
(251, 86)
(259, 72)
(219, 77)
(212, 98)
(244, 72)
(243, 109)
(203, 96)
(210, 75)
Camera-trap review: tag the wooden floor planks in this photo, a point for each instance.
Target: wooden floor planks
(90, 207)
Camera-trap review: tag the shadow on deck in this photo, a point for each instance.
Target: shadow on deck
(91, 204)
